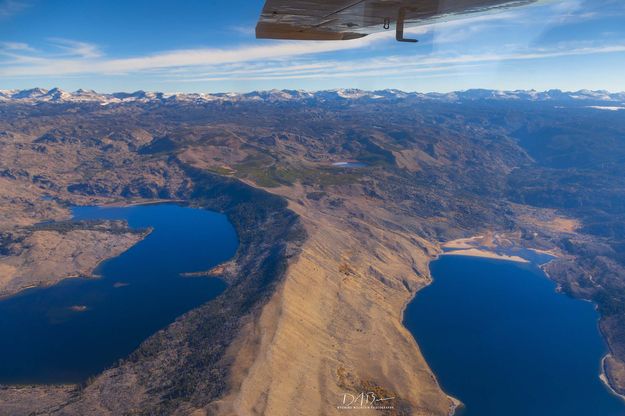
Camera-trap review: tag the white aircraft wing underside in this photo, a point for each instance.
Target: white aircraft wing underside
(351, 19)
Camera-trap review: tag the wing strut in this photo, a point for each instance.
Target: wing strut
(399, 27)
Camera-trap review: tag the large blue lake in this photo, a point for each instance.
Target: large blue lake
(75, 329)
(500, 339)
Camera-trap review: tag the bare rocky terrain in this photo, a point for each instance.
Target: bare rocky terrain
(42, 257)
(328, 256)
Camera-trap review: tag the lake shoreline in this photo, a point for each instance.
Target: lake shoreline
(421, 338)
(605, 378)
(455, 403)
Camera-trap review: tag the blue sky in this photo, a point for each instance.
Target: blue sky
(209, 46)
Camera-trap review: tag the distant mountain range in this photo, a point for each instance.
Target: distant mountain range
(599, 99)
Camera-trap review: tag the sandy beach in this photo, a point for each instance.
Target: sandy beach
(606, 381)
(476, 252)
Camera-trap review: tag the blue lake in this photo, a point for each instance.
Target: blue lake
(78, 327)
(500, 339)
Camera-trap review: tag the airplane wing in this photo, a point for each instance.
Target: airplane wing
(352, 19)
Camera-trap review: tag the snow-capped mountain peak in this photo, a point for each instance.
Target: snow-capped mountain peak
(58, 96)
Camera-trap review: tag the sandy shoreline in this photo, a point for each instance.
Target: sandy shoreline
(476, 252)
(606, 380)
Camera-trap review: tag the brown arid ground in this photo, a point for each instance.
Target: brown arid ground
(335, 325)
(46, 257)
(549, 219)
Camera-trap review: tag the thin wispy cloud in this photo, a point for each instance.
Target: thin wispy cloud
(248, 31)
(82, 59)
(23, 55)
(76, 49)
(268, 62)
(393, 65)
(9, 8)
(16, 46)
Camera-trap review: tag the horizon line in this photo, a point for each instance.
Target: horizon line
(312, 91)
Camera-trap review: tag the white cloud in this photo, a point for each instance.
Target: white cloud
(9, 8)
(82, 58)
(16, 46)
(77, 49)
(248, 31)
(290, 60)
(389, 66)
